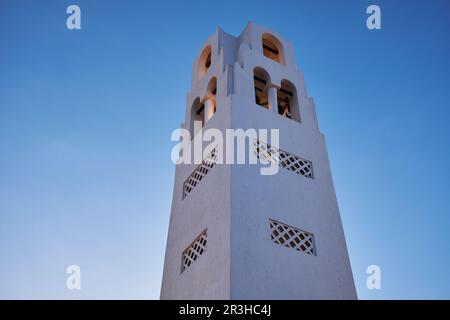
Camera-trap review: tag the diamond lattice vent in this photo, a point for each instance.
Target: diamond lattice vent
(195, 250)
(284, 159)
(292, 237)
(200, 172)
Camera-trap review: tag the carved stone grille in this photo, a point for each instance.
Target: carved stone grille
(292, 237)
(200, 172)
(195, 250)
(284, 159)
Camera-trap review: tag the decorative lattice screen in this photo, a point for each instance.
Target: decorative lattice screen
(200, 172)
(194, 251)
(284, 159)
(292, 237)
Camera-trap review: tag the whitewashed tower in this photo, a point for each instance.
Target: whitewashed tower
(237, 234)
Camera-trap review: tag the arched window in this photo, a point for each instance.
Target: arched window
(197, 114)
(272, 48)
(204, 62)
(288, 101)
(261, 79)
(210, 99)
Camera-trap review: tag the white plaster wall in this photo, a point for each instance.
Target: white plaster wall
(207, 207)
(261, 269)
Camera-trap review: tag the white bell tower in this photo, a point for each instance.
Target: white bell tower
(237, 234)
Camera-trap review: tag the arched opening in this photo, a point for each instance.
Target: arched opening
(197, 115)
(288, 101)
(272, 48)
(261, 80)
(210, 99)
(204, 62)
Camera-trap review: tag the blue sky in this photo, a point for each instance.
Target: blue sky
(86, 117)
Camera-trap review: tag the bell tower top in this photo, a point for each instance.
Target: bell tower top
(258, 65)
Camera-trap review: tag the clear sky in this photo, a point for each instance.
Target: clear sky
(86, 117)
